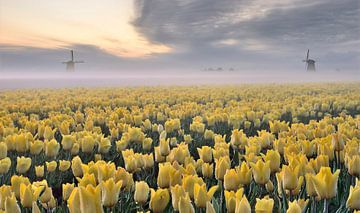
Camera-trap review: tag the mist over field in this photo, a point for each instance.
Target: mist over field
(13, 80)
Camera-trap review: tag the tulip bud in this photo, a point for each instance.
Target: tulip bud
(104, 145)
(231, 182)
(261, 172)
(207, 170)
(51, 166)
(36, 147)
(353, 199)
(159, 200)
(164, 147)
(141, 192)
(39, 171)
(202, 196)
(11, 205)
(221, 166)
(242, 205)
(184, 205)
(67, 190)
(3, 150)
(64, 165)
(76, 166)
(205, 154)
(110, 192)
(5, 165)
(67, 142)
(52, 148)
(264, 205)
(87, 144)
(23, 164)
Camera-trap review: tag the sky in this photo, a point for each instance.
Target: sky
(179, 35)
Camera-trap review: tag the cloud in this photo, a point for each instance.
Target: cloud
(281, 28)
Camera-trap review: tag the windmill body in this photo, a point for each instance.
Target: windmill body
(70, 65)
(310, 63)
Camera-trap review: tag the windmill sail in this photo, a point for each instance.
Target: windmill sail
(309, 63)
(70, 65)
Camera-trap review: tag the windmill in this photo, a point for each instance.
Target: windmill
(70, 65)
(310, 63)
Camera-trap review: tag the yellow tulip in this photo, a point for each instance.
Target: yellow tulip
(353, 165)
(36, 147)
(46, 195)
(64, 165)
(205, 154)
(3, 150)
(105, 171)
(87, 179)
(310, 187)
(90, 199)
(11, 205)
(201, 196)
(189, 182)
(159, 200)
(141, 192)
(158, 157)
(15, 184)
(5, 191)
(294, 208)
(67, 142)
(164, 147)
(210, 208)
(23, 164)
(261, 172)
(207, 170)
(230, 200)
(52, 148)
(104, 145)
(146, 144)
(325, 183)
(148, 161)
(22, 145)
(242, 205)
(35, 208)
(67, 190)
(39, 171)
(29, 194)
(76, 166)
(74, 201)
(178, 192)
(231, 182)
(48, 133)
(110, 192)
(274, 158)
(5, 165)
(163, 179)
(353, 201)
(289, 177)
(184, 205)
(337, 141)
(221, 166)
(87, 144)
(51, 166)
(244, 173)
(75, 149)
(269, 186)
(264, 205)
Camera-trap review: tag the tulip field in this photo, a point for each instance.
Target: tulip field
(248, 148)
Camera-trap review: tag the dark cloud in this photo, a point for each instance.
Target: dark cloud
(259, 31)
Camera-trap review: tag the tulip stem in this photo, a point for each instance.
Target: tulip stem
(313, 205)
(326, 206)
